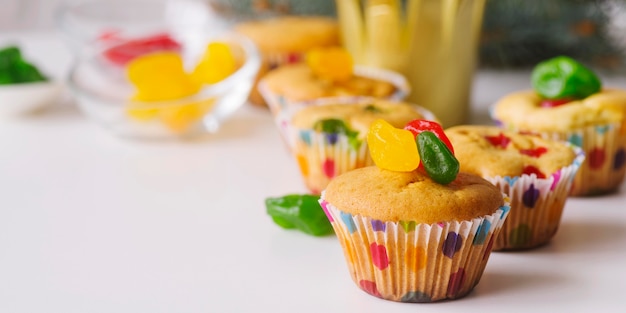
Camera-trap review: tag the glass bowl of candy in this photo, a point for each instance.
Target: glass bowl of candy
(164, 84)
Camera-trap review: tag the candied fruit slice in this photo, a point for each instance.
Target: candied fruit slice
(564, 77)
(535, 153)
(217, 63)
(179, 118)
(159, 77)
(125, 52)
(334, 63)
(392, 148)
(500, 141)
(552, 103)
(530, 169)
(439, 162)
(418, 126)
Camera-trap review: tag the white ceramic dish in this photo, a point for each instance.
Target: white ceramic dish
(28, 98)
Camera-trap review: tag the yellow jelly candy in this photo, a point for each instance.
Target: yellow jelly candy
(160, 76)
(333, 63)
(217, 63)
(179, 118)
(392, 148)
(142, 113)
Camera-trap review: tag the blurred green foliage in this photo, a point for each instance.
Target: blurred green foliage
(516, 33)
(521, 33)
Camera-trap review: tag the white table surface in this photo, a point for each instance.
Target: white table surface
(94, 223)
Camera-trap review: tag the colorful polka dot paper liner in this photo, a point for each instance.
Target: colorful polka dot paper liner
(291, 134)
(409, 262)
(277, 103)
(323, 156)
(536, 205)
(605, 149)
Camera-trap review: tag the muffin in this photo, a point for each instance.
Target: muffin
(328, 137)
(413, 228)
(279, 47)
(535, 173)
(594, 120)
(298, 83)
(407, 238)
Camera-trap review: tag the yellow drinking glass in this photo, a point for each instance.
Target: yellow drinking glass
(433, 43)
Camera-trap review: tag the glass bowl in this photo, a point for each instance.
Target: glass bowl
(83, 22)
(103, 91)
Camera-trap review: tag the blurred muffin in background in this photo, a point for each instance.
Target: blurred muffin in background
(286, 39)
(535, 173)
(328, 73)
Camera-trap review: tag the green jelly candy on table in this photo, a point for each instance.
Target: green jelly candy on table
(564, 77)
(14, 69)
(440, 164)
(302, 212)
(5, 78)
(8, 56)
(24, 72)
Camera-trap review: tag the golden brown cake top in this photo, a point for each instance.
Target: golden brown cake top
(297, 82)
(291, 33)
(412, 196)
(522, 110)
(489, 151)
(359, 116)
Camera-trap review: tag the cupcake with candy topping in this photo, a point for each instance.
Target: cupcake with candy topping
(328, 137)
(328, 73)
(412, 228)
(279, 47)
(569, 103)
(536, 173)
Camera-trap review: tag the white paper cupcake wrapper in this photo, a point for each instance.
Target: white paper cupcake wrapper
(277, 103)
(408, 262)
(536, 205)
(605, 148)
(323, 156)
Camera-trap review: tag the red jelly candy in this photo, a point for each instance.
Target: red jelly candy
(551, 103)
(418, 126)
(124, 52)
(535, 153)
(529, 169)
(499, 141)
(109, 35)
